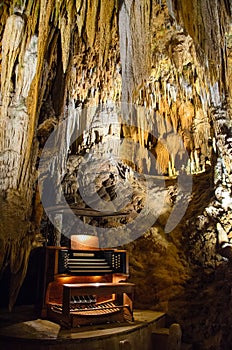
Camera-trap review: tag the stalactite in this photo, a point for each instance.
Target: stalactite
(66, 24)
(81, 13)
(12, 38)
(106, 15)
(134, 45)
(25, 71)
(162, 157)
(91, 20)
(13, 145)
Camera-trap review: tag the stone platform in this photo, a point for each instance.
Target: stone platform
(19, 330)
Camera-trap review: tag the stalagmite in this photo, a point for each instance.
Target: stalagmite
(175, 337)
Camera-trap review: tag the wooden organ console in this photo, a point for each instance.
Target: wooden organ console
(86, 286)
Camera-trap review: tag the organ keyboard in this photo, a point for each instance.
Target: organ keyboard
(85, 287)
(77, 262)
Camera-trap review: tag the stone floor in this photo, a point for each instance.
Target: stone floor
(21, 329)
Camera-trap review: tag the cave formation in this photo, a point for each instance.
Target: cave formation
(142, 91)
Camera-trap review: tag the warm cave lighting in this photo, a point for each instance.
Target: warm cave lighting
(81, 242)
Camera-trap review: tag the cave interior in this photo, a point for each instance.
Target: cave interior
(115, 124)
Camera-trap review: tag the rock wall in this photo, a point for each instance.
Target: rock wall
(170, 64)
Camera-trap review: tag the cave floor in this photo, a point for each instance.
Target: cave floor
(21, 324)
